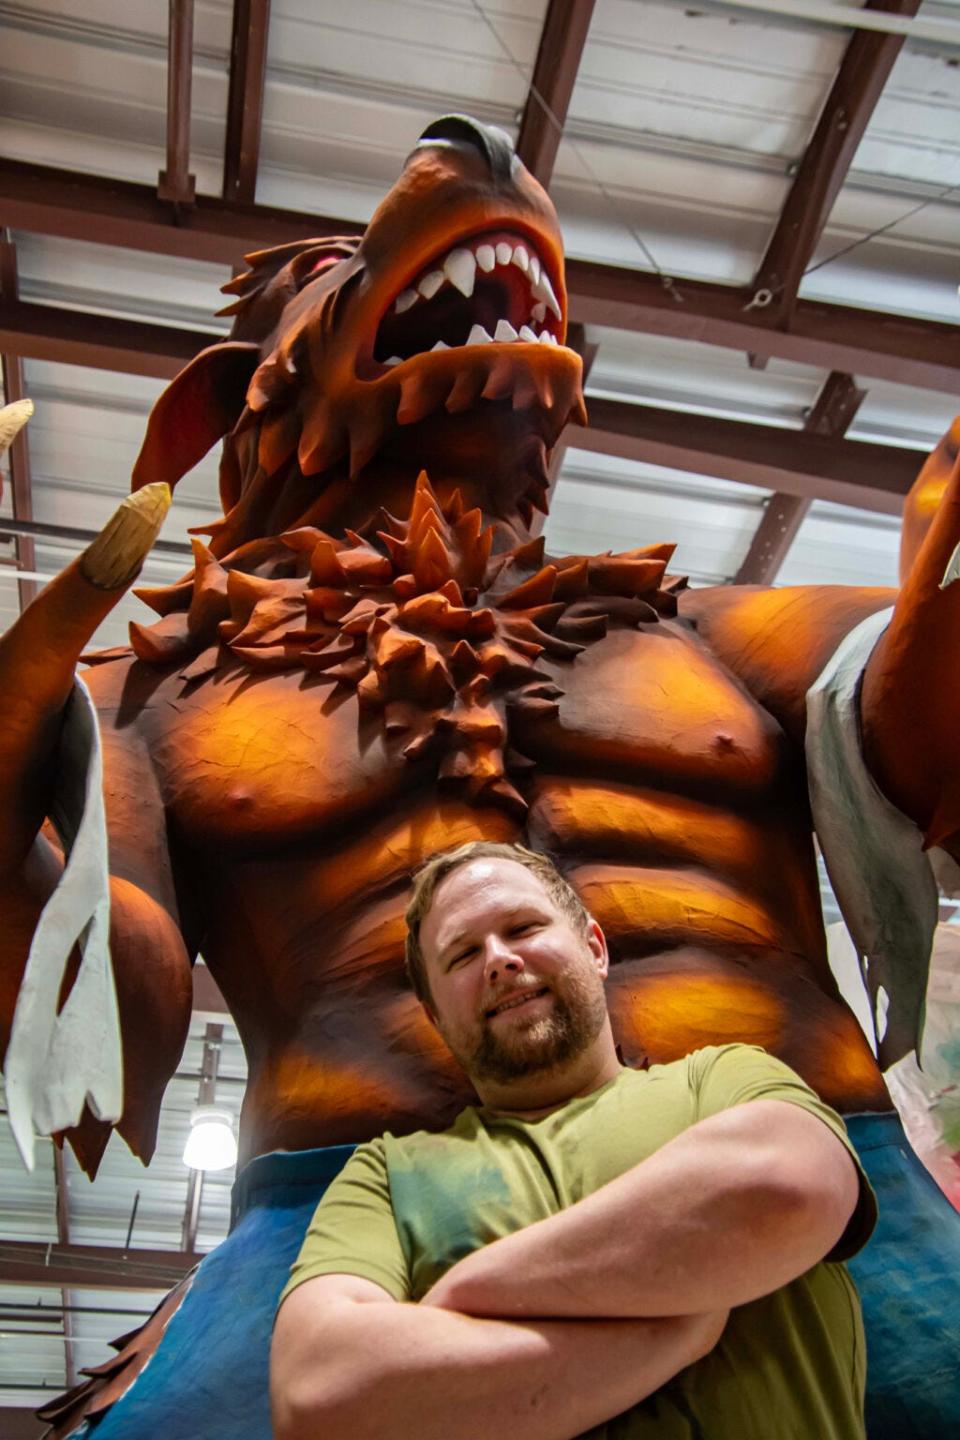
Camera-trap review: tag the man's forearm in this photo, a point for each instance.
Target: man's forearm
(720, 1215)
(388, 1369)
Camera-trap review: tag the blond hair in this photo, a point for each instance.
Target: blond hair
(431, 875)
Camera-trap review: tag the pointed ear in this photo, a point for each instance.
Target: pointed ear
(198, 407)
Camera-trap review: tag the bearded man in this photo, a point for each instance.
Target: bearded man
(592, 1249)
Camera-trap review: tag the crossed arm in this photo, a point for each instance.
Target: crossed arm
(620, 1291)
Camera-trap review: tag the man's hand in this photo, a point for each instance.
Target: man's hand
(350, 1363)
(730, 1210)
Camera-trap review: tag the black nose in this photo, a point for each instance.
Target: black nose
(494, 145)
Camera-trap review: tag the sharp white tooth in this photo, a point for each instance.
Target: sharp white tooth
(440, 345)
(527, 334)
(405, 299)
(545, 337)
(430, 284)
(553, 338)
(479, 336)
(521, 259)
(539, 312)
(504, 331)
(486, 258)
(460, 268)
(546, 290)
(394, 360)
(534, 268)
(504, 253)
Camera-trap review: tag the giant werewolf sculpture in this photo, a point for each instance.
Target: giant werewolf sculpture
(369, 663)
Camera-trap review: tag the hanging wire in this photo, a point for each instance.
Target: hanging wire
(882, 229)
(766, 296)
(763, 297)
(667, 281)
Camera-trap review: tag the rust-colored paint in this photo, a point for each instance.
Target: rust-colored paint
(911, 688)
(925, 497)
(373, 659)
(673, 1004)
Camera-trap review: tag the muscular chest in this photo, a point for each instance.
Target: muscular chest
(266, 760)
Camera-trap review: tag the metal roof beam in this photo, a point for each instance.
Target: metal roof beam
(562, 41)
(91, 1267)
(63, 1236)
(17, 1423)
(206, 1095)
(18, 456)
(175, 182)
(848, 472)
(51, 201)
(853, 17)
(833, 413)
(104, 342)
(907, 351)
(925, 353)
(853, 97)
(248, 68)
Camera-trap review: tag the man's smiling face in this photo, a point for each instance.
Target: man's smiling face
(515, 987)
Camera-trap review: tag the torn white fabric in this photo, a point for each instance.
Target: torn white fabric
(55, 1063)
(874, 855)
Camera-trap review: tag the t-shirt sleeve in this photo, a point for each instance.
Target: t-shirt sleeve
(353, 1231)
(727, 1075)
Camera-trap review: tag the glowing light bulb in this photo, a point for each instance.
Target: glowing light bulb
(211, 1144)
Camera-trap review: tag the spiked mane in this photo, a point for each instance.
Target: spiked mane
(260, 300)
(430, 629)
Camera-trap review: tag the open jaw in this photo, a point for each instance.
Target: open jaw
(493, 287)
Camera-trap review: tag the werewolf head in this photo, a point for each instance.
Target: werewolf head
(434, 341)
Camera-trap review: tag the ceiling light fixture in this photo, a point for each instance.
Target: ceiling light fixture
(211, 1144)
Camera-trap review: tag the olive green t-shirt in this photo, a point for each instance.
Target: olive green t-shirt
(790, 1366)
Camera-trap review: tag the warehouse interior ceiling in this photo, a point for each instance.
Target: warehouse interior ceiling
(760, 204)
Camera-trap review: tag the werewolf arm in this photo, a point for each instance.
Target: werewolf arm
(910, 700)
(778, 641)
(926, 495)
(38, 656)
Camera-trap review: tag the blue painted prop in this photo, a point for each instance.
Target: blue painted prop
(909, 1282)
(208, 1378)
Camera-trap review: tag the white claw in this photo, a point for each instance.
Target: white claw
(460, 268)
(394, 360)
(479, 336)
(504, 253)
(430, 284)
(405, 299)
(535, 268)
(528, 335)
(486, 258)
(539, 312)
(521, 259)
(440, 345)
(504, 331)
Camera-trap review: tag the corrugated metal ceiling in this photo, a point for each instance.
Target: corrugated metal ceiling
(685, 125)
